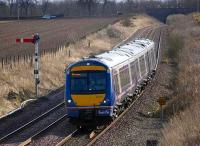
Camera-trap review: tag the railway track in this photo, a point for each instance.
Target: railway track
(159, 40)
(29, 112)
(35, 136)
(86, 137)
(85, 140)
(31, 123)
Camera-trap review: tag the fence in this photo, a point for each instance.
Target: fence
(9, 62)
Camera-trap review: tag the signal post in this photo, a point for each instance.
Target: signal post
(35, 40)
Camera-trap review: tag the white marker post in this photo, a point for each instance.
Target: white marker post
(35, 40)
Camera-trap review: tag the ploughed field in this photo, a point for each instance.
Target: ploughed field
(54, 33)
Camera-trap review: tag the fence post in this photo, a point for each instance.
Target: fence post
(31, 61)
(14, 60)
(10, 61)
(24, 59)
(2, 61)
(18, 59)
(69, 53)
(6, 59)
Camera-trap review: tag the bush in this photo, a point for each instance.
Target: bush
(176, 43)
(11, 95)
(126, 22)
(113, 32)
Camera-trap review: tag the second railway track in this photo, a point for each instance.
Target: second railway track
(30, 128)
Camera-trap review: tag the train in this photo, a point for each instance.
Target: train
(99, 87)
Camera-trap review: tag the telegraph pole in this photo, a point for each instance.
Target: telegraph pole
(18, 10)
(177, 3)
(35, 40)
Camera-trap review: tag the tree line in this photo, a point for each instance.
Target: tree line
(28, 8)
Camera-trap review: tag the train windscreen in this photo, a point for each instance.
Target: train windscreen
(88, 82)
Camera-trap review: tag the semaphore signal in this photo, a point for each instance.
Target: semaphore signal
(25, 40)
(35, 40)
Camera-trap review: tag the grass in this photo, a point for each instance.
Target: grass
(113, 32)
(196, 16)
(126, 22)
(183, 109)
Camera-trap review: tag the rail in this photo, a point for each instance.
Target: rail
(4, 138)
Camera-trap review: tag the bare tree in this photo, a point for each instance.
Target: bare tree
(11, 5)
(3, 9)
(45, 5)
(88, 4)
(104, 6)
(25, 4)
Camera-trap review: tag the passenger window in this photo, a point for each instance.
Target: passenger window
(134, 71)
(124, 76)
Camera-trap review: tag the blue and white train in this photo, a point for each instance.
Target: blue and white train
(96, 87)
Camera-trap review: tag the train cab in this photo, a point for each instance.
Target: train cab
(88, 91)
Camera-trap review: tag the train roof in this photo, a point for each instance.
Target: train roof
(131, 50)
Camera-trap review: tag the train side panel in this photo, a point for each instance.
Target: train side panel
(130, 74)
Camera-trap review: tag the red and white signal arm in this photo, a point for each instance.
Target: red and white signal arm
(25, 40)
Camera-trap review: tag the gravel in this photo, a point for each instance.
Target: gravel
(55, 135)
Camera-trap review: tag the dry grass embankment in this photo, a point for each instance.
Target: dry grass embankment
(183, 128)
(20, 81)
(196, 16)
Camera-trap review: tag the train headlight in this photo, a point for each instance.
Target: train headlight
(106, 101)
(69, 100)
